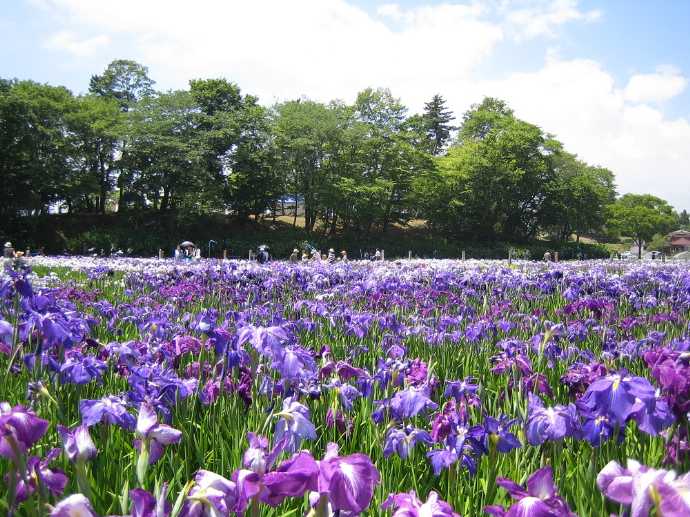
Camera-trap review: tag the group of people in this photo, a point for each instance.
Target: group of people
(316, 256)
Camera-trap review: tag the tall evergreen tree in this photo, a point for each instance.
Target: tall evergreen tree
(437, 117)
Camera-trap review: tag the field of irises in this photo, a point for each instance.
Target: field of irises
(412, 388)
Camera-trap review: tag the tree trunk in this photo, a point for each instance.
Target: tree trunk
(294, 219)
(334, 223)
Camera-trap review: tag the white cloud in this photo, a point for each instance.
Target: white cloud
(327, 49)
(661, 86)
(80, 47)
(533, 18)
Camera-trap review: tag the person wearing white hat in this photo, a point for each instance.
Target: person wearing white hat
(331, 256)
(8, 251)
(294, 256)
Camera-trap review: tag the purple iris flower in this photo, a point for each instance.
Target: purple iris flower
(539, 498)
(347, 481)
(294, 363)
(109, 410)
(462, 445)
(77, 443)
(211, 496)
(145, 504)
(81, 369)
(618, 396)
(403, 441)
(552, 423)
(76, 504)
(597, 429)
(38, 473)
(409, 505)
(263, 339)
(292, 478)
(465, 389)
(152, 436)
(294, 425)
(410, 402)
(347, 393)
(497, 432)
(20, 428)
(645, 489)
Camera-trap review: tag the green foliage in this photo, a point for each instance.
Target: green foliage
(124, 80)
(436, 122)
(365, 169)
(641, 217)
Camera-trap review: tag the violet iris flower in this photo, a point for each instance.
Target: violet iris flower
(619, 396)
(347, 481)
(81, 369)
(552, 423)
(410, 402)
(539, 498)
(292, 478)
(403, 440)
(644, 489)
(152, 436)
(38, 473)
(409, 505)
(74, 505)
(109, 410)
(465, 389)
(145, 504)
(294, 425)
(20, 428)
(211, 496)
(464, 447)
(497, 432)
(77, 443)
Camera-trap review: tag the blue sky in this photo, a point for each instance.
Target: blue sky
(609, 78)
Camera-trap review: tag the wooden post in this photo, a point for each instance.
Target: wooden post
(383, 254)
(555, 256)
(160, 254)
(510, 256)
(463, 255)
(409, 255)
(225, 254)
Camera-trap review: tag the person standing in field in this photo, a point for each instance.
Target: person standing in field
(294, 256)
(331, 256)
(547, 256)
(8, 251)
(377, 255)
(343, 256)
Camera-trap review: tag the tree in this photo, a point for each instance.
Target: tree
(125, 81)
(33, 146)
(481, 118)
(95, 127)
(304, 131)
(641, 216)
(496, 181)
(684, 219)
(436, 121)
(578, 197)
(165, 156)
(389, 157)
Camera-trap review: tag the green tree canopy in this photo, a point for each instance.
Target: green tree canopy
(641, 216)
